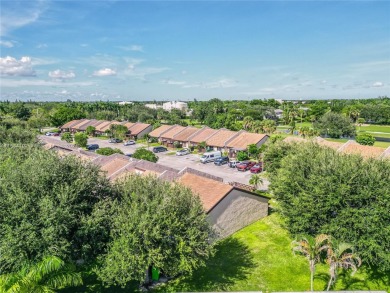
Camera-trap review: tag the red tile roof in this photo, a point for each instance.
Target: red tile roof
(202, 135)
(186, 133)
(138, 127)
(243, 139)
(221, 138)
(171, 132)
(158, 131)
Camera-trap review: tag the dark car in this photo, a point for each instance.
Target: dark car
(92, 147)
(159, 149)
(257, 168)
(115, 140)
(221, 161)
(129, 155)
(245, 166)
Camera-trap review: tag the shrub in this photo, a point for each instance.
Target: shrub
(242, 156)
(81, 139)
(144, 154)
(365, 139)
(108, 151)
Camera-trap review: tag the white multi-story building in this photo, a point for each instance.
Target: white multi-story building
(153, 106)
(168, 106)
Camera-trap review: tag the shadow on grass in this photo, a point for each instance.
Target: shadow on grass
(231, 262)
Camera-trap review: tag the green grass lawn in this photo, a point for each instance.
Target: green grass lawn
(259, 258)
(374, 128)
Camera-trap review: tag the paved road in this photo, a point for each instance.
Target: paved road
(180, 162)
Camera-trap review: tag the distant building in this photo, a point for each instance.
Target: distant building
(153, 106)
(279, 113)
(168, 106)
(125, 103)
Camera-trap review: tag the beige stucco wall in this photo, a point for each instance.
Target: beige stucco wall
(145, 131)
(237, 210)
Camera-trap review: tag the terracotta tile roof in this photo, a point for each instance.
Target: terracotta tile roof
(171, 132)
(209, 191)
(202, 135)
(82, 122)
(89, 123)
(363, 150)
(220, 138)
(332, 144)
(138, 127)
(158, 131)
(70, 124)
(128, 124)
(243, 139)
(113, 165)
(105, 127)
(186, 133)
(101, 125)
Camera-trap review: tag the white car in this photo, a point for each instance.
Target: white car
(129, 142)
(183, 152)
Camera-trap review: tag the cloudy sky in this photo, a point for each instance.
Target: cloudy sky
(138, 50)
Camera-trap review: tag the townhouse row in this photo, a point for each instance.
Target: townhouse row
(218, 139)
(229, 206)
(136, 130)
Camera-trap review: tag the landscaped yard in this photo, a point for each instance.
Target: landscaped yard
(259, 258)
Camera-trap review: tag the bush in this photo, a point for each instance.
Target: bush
(67, 137)
(108, 151)
(144, 154)
(242, 156)
(365, 139)
(81, 139)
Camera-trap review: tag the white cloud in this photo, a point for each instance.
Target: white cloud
(61, 75)
(10, 66)
(377, 84)
(142, 72)
(173, 82)
(104, 72)
(41, 46)
(18, 14)
(39, 82)
(134, 48)
(7, 44)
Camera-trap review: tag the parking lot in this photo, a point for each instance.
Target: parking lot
(180, 162)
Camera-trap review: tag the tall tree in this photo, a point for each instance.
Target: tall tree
(256, 180)
(341, 256)
(312, 248)
(155, 224)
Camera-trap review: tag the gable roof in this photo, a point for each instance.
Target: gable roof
(128, 124)
(102, 125)
(89, 123)
(210, 192)
(70, 124)
(105, 127)
(221, 137)
(185, 134)
(202, 135)
(365, 151)
(138, 127)
(172, 131)
(243, 139)
(81, 122)
(158, 131)
(332, 144)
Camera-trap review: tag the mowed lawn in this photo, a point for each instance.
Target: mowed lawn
(259, 258)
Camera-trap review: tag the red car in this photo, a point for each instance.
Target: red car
(245, 166)
(257, 168)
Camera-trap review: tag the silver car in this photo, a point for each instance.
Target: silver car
(129, 142)
(183, 152)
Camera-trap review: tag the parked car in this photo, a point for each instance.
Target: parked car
(115, 140)
(49, 133)
(210, 156)
(183, 152)
(233, 163)
(159, 149)
(221, 161)
(92, 147)
(245, 166)
(129, 155)
(257, 168)
(129, 142)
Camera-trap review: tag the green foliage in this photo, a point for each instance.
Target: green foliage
(274, 153)
(201, 146)
(253, 150)
(50, 205)
(144, 154)
(66, 136)
(365, 139)
(81, 139)
(256, 180)
(335, 125)
(322, 191)
(45, 276)
(65, 114)
(90, 130)
(16, 135)
(154, 224)
(242, 156)
(108, 151)
(119, 131)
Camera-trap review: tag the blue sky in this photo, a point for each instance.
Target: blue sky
(165, 50)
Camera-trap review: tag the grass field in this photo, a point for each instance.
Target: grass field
(259, 258)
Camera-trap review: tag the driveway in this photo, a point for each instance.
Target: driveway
(180, 162)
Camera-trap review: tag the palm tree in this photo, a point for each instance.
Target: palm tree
(256, 180)
(341, 255)
(247, 123)
(46, 276)
(312, 248)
